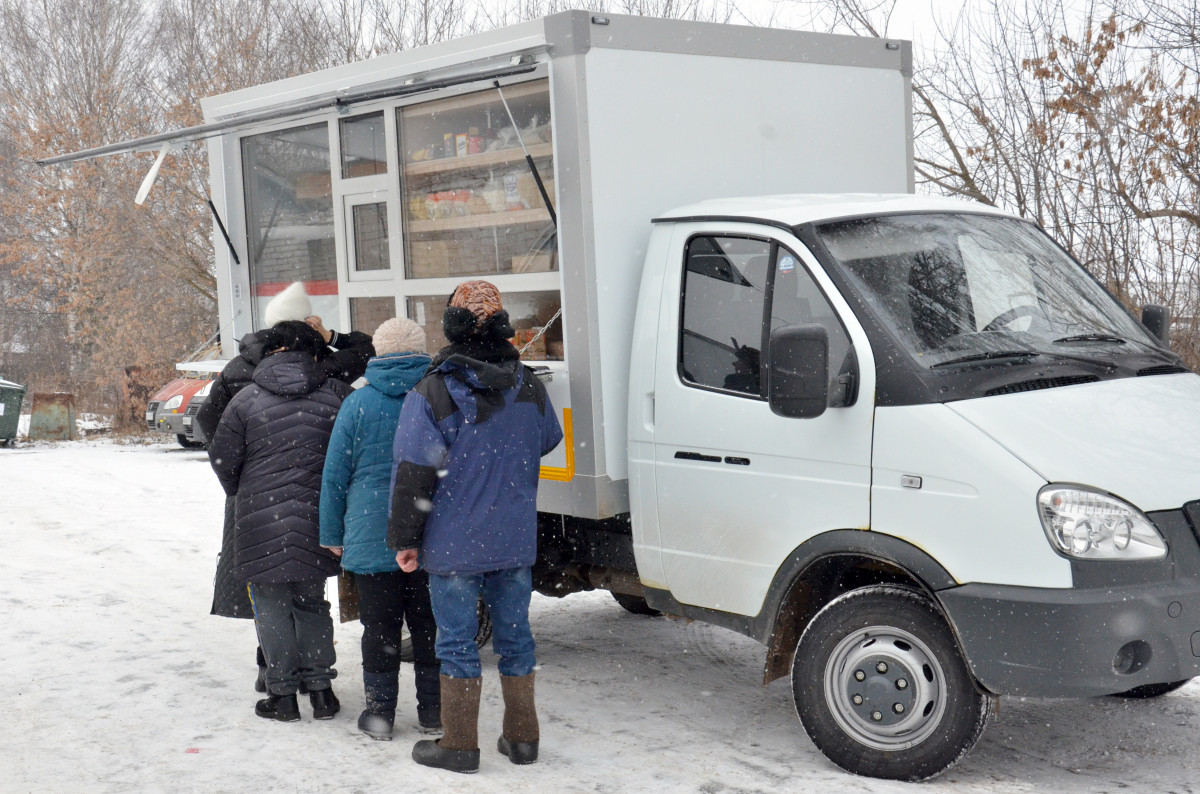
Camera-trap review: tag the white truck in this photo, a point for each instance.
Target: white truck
(908, 444)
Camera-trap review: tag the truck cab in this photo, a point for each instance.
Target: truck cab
(914, 448)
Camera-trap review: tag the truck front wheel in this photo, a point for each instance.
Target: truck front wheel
(881, 687)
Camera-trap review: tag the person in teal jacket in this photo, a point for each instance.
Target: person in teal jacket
(355, 494)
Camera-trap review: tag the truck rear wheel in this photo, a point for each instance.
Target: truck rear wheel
(635, 604)
(481, 637)
(187, 443)
(881, 688)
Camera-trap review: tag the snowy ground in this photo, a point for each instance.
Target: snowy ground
(120, 681)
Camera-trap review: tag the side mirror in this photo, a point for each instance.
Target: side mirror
(1157, 320)
(798, 371)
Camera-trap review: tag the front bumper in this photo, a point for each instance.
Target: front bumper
(170, 423)
(1077, 642)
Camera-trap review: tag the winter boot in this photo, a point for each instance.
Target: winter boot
(519, 741)
(381, 690)
(324, 704)
(260, 683)
(429, 698)
(458, 749)
(278, 707)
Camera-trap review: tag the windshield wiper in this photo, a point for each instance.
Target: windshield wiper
(1163, 353)
(986, 356)
(1092, 338)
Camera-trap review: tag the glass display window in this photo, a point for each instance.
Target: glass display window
(471, 205)
(289, 215)
(364, 146)
(529, 312)
(367, 314)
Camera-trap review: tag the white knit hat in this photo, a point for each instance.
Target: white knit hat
(291, 304)
(398, 335)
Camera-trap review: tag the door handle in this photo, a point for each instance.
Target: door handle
(697, 456)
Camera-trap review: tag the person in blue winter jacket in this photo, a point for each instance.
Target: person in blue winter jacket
(464, 505)
(355, 493)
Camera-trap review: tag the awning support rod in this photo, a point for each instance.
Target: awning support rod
(528, 159)
(219, 127)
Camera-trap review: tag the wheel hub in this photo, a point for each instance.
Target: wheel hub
(885, 688)
(880, 690)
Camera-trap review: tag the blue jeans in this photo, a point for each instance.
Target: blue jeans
(455, 600)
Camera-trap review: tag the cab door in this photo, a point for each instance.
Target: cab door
(738, 488)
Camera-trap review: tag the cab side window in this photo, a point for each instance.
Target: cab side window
(722, 326)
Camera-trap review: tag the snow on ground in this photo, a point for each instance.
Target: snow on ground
(118, 679)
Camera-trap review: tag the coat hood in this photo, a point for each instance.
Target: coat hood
(289, 374)
(1136, 438)
(396, 374)
(478, 387)
(251, 347)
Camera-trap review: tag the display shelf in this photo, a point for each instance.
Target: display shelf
(545, 281)
(481, 221)
(482, 160)
(475, 99)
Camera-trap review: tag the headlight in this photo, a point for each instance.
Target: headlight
(173, 403)
(1090, 525)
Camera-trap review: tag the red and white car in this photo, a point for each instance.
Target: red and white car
(173, 408)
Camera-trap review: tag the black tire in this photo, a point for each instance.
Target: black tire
(881, 688)
(187, 443)
(635, 604)
(481, 637)
(1146, 691)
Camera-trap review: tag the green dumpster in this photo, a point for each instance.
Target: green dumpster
(11, 395)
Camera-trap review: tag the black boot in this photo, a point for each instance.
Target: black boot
(429, 698)
(458, 750)
(324, 704)
(278, 707)
(382, 690)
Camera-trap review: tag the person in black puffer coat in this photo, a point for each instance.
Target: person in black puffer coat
(269, 453)
(344, 356)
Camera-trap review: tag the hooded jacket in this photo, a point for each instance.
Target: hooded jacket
(467, 453)
(269, 452)
(355, 489)
(346, 363)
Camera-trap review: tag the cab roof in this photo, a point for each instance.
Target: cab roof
(801, 208)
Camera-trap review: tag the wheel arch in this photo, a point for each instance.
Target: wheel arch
(832, 563)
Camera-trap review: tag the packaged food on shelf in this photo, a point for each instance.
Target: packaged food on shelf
(527, 188)
(477, 204)
(462, 197)
(512, 192)
(493, 194)
(537, 350)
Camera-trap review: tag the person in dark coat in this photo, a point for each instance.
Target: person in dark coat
(269, 452)
(344, 356)
(355, 493)
(464, 505)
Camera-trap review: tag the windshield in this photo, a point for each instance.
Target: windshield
(962, 288)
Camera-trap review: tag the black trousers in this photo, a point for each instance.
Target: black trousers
(385, 602)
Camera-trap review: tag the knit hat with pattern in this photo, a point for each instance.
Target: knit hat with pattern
(476, 310)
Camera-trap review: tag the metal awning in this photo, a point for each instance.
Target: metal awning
(173, 138)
